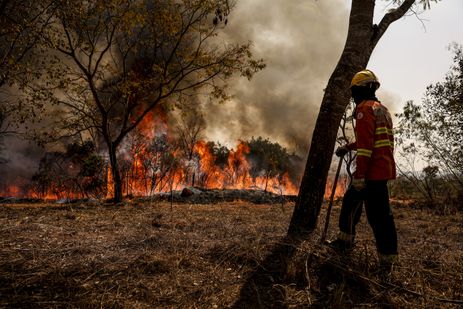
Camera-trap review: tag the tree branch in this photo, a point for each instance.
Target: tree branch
(388, 19)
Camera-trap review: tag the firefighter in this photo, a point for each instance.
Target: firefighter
(374, 167)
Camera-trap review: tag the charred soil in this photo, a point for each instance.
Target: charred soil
(228, 254)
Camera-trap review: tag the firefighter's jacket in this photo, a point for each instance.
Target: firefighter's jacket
(374, 142)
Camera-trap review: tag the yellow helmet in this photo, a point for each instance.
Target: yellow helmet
(363, 78)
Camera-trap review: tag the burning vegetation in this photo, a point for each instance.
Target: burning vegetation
(156, 159)
(157, 165)
(107, 84)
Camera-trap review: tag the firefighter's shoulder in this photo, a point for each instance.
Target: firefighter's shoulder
(365, 110)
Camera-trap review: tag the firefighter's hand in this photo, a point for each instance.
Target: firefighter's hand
(341, 151)
(358, 184)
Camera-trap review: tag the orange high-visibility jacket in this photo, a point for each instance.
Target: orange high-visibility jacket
(374, 142)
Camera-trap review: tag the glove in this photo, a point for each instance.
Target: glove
(341, 151)
(358, 184)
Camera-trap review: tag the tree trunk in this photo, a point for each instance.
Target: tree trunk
(312, 189)
(112, 149)
(267, 177)
(361, 39)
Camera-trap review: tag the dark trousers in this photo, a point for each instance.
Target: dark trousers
(379, 214)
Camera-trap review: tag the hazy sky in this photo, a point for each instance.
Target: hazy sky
(411, 55)
(301, 41)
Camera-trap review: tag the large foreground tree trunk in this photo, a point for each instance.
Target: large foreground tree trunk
(362, 37)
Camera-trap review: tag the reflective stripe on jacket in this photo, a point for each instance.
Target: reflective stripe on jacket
(374, 142)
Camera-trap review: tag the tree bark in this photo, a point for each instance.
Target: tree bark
(117, 182)
(361, 39)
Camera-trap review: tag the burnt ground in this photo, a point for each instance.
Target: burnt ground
(229, 254)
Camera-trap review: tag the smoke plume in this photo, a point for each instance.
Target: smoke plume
(300, 42)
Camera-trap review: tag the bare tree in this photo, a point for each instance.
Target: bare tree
(110, 64)
(161, 163)
(21, 25)
(189, 130)
(346, 136)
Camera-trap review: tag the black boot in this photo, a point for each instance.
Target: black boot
(340, 246)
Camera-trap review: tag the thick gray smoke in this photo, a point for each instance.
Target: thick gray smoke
(300, 41)
(19, 160)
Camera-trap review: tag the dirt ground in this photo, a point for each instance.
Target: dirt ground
(157, 255)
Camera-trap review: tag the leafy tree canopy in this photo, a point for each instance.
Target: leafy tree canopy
(434, 129)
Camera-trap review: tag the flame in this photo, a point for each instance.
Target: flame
(109, 183)
(152, 171)
(340, 189)
(13, 190)
(154, 122)
(206, 173)
(21, 189)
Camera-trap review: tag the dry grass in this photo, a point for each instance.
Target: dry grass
(147, 255)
